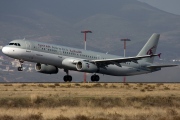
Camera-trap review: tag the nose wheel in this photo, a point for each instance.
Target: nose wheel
(20, 68)
(95, 78)
(21, 63)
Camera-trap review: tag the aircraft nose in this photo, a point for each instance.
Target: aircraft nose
(5, 50)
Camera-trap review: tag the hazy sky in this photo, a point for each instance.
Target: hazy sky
(172, 6)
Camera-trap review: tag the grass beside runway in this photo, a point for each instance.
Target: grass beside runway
(90, 101)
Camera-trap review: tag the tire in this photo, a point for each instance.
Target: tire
(67, 78)
(92, 78)
(96, 78)
(20, 69)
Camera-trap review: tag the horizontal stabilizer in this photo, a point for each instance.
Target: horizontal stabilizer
(160, 66)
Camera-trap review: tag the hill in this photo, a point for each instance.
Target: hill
(61, 22)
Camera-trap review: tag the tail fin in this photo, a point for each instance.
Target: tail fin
(150, 48)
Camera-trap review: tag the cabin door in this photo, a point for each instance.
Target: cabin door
(28, 46)
(60, 51)
(29, 54)
(98, 57)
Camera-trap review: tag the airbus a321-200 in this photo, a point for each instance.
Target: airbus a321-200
(49, 58)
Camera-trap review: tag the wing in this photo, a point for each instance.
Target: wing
(116, 61)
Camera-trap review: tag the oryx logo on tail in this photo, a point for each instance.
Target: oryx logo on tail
(150, 51)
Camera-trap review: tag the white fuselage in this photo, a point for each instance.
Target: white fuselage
(54, 55)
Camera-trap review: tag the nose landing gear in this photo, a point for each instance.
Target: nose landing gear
(21, 63)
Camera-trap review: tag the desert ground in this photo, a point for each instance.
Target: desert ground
(89, 101)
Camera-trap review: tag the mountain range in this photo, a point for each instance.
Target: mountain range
(61, 22)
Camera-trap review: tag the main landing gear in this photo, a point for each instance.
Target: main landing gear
(95, 78)
(21, 63)
(67, 78)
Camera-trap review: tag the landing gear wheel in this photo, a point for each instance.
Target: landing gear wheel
(20, 69)
(92, 78)
(95, 78)
(67, 78)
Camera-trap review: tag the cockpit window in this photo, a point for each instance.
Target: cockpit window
(11, 43)
(16, 44)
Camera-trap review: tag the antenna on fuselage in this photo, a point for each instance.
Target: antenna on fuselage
(24, 39)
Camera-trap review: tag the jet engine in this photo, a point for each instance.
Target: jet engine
(84, 66)
(47, 69)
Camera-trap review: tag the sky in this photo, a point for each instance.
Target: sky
(171, 6)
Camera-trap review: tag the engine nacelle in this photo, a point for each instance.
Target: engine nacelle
(47, 69)
(84, 66)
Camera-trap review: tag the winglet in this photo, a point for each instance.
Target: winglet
(159, 55)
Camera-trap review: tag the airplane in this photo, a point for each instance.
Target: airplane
(49, 58)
